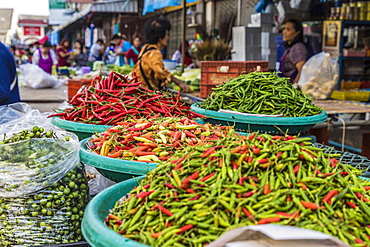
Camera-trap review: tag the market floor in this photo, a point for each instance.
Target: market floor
(44, 99)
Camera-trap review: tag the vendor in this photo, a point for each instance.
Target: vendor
(150, 66)
(177, 55)
(45, 57)
(9, 92)
(63, 52)
(295, 54)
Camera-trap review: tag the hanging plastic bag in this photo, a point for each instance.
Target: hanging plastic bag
(43, 189)
(319, 76)
(36, 78)
(13, 112)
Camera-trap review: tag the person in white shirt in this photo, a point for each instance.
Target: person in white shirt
(97, 51)
(45, 57)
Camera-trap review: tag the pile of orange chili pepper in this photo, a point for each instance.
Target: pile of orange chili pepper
(155, 140)
(110, 100)
(204, 191)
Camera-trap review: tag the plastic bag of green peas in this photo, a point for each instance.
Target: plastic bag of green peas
(43, 189)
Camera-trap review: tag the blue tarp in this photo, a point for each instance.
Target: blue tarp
(152, 5)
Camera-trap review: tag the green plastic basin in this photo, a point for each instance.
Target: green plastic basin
(95, 232)
(80, 129)
(114, 169)
(270, 125)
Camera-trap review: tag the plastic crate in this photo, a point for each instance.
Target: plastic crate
(351, 96)
(346, 85)
(206, 89)
(116, 170)
(95, 232)
(80, 129)
(270, 125)
(355, 160)
(365, 84)
(75, 84)
(217, 72)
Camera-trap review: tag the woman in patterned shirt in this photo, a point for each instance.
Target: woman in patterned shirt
(295, 54)
(150, 66)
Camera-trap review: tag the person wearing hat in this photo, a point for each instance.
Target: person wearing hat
(9, 92)
(45, 57)
(122, 46)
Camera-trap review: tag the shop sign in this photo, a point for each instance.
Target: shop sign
(35, 31)
(57, 4)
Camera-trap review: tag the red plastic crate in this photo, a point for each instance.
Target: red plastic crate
(75, 84)
(206, 89)
(365, 84)
(217, 72)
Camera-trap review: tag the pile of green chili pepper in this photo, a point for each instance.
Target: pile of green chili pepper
(155, 140)
(261, 93)
(204, 191)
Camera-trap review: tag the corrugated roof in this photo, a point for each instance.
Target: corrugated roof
(118, 6)
(6, 18)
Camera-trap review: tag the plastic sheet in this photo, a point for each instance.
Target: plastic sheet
(13, 112)
(36, 78)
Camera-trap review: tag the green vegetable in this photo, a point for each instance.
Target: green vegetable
(243, 193)
(261, 93)
(51, 215)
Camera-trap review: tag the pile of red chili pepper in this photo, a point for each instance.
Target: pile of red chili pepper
(155, 140)
(204, 191)
(110, 100)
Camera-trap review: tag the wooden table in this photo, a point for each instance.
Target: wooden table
(340, 106)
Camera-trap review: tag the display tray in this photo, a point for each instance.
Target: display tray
(270, 125)
(95, 232)
(360, 162)
(82, 130)
(114, 169)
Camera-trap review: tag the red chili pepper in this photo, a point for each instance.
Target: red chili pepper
(185, 183)
(276, 137)
(256, 150)
(262, 161)
(145, 194)
(191, 191)
(208, 152)
(304, 187)
(333, 162)
(178, 166)
(250, 159)
(248, 194)
(184, 228)
(248, 214)
(234, 165)
(268, 220)
(251, 136)
(330, 195)
(195, 198)
(296, 169)
(279, 154)
(361, 197)
(266, 189)
(207, 177)
(169, 186)
(309, 205)
(283, 214)
(147, 186)
(164, 210)
(367, 188)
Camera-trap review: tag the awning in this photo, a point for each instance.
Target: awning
(114, 6)
(152, 5)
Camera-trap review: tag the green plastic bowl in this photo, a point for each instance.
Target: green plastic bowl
(270, 125)
(95, 232)
(114, 169)
(80, 129)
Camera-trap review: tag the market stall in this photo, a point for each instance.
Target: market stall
(188, 174)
